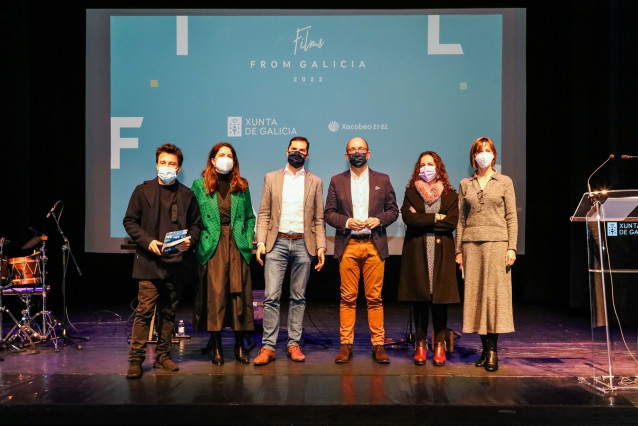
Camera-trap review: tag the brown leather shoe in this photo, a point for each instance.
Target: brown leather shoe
(379, 355)
(265, 356)
(134, 370)
(345, 354)
(421, 353)
(295, 354)
(439, 354)
(166, 364)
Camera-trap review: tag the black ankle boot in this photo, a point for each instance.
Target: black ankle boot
(241, 354)
(491, 361)
(491, 358)
(481, 361)
(216, 354)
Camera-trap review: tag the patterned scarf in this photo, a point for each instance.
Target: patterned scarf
(430, 192)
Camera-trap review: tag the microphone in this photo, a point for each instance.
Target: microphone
(55, 206)
(627, 157)
(591, 195)
(35, 231)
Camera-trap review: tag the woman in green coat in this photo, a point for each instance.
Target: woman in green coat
(224, 297)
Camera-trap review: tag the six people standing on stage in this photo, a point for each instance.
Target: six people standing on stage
(486, 250)
(224, 297)
(290, 233)
(428, 272)
(360, 205)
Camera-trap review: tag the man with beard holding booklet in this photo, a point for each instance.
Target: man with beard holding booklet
(157, 207)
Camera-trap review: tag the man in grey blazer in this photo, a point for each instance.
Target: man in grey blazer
(290, 233)
(361, 204)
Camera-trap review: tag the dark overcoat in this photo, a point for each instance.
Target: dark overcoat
(414, 281)
(141, 223)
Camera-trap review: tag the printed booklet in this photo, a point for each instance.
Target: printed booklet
(172, 239)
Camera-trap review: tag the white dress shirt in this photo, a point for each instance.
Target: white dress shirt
(291, 220)
(360, 190)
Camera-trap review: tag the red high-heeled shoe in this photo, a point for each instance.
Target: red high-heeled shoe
(439, 354)
(421, 353)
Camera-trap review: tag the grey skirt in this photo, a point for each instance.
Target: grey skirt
(487, 306)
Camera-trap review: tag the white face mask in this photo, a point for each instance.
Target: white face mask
(167, 174)
(224, 164)
(484, 159)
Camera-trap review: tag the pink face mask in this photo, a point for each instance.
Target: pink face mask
(427, 173)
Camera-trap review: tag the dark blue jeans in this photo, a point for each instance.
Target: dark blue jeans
(154, 294)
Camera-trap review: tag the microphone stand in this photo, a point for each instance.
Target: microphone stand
(593, 198)
(66, 248)
(409, 340)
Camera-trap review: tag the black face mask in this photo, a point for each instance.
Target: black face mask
(358, 159)
(296, 159)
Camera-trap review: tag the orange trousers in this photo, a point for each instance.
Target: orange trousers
(361, 257)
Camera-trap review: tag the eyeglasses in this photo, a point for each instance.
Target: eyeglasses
(357, 150)
(479, 194)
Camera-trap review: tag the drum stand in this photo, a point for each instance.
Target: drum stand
(4, 275)
(28, 330)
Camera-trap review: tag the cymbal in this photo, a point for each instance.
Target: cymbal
(32, 243)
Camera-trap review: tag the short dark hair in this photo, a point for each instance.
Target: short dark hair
(169, 148)
(302, 139)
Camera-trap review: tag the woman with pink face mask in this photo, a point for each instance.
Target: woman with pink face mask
(486, 250)
(428, 275)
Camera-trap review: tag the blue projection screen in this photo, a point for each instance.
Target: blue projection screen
(406, 81)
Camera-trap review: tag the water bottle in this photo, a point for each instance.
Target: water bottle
(180, 328)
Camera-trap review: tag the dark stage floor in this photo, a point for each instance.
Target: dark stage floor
(537, 382)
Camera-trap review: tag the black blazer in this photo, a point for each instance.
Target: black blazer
(140, 223)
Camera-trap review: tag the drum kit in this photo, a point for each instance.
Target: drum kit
(25, 277)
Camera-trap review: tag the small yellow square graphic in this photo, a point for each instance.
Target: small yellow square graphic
(153, 83)
(463, 85)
